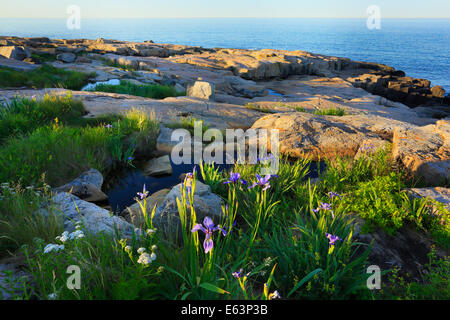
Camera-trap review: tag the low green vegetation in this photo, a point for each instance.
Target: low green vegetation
(45, 76)
(54, 139)
(115, 64)
(153, 91)
(187, 123)
(276, 238)
(44, 57)
(330, 112)
(320, 112)
(22, 116)
(259, 108)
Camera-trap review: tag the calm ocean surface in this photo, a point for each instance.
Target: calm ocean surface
(421, 48)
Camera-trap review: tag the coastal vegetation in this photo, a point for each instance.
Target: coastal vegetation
(154, 91)
(45, 76)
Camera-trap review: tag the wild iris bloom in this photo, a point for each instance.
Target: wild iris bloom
(108, 126)
(190, 175)
(325, 207)
(208, 228)
(262, 182)
(142, 195)
(332, 239)
(332, 195)
(239, 274)
(235, 177)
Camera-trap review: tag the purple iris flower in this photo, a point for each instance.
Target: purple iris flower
(262, 182)
(190, 175)
(239, 274)
(235, 177)
(208, 228)
(142, 195)
(332, 239)
(332, 195)
(325, 207)
(108, 126)
(270, 156)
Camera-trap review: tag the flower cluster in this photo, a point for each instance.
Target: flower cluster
(208, 228)
(145, 258)
(368, 149)
(64, 237)
(53, 247)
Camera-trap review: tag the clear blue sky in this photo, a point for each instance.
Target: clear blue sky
(226, 8)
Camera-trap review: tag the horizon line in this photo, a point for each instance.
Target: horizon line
(386, 18)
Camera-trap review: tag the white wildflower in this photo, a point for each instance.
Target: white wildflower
(64, 236)
(153, 256)
(154, 248)
(141, 250)
(145, 259)
(52, 296)
(127, 248)
(78, 234)
(53, 247)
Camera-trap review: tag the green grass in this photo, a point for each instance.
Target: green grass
(44, 57)
(64, 148)
(22, 115)
(330, 112)
(45, 76)
(153, 91)
(114, 64)
(19, 223)
(188, 124)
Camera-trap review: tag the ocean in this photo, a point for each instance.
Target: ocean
(419, 47)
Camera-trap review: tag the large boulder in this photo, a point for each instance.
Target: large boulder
(305, 134)
(12, 286)
(206, 203)
(202, 89)
(66, 57)
(15, 52)
(87, 186)
(425, 151)
(438, 194)
(95, 219)
(158, 166)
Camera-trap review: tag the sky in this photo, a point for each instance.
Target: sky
(226, 8)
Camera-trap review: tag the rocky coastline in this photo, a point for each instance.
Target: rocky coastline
(381, 104)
